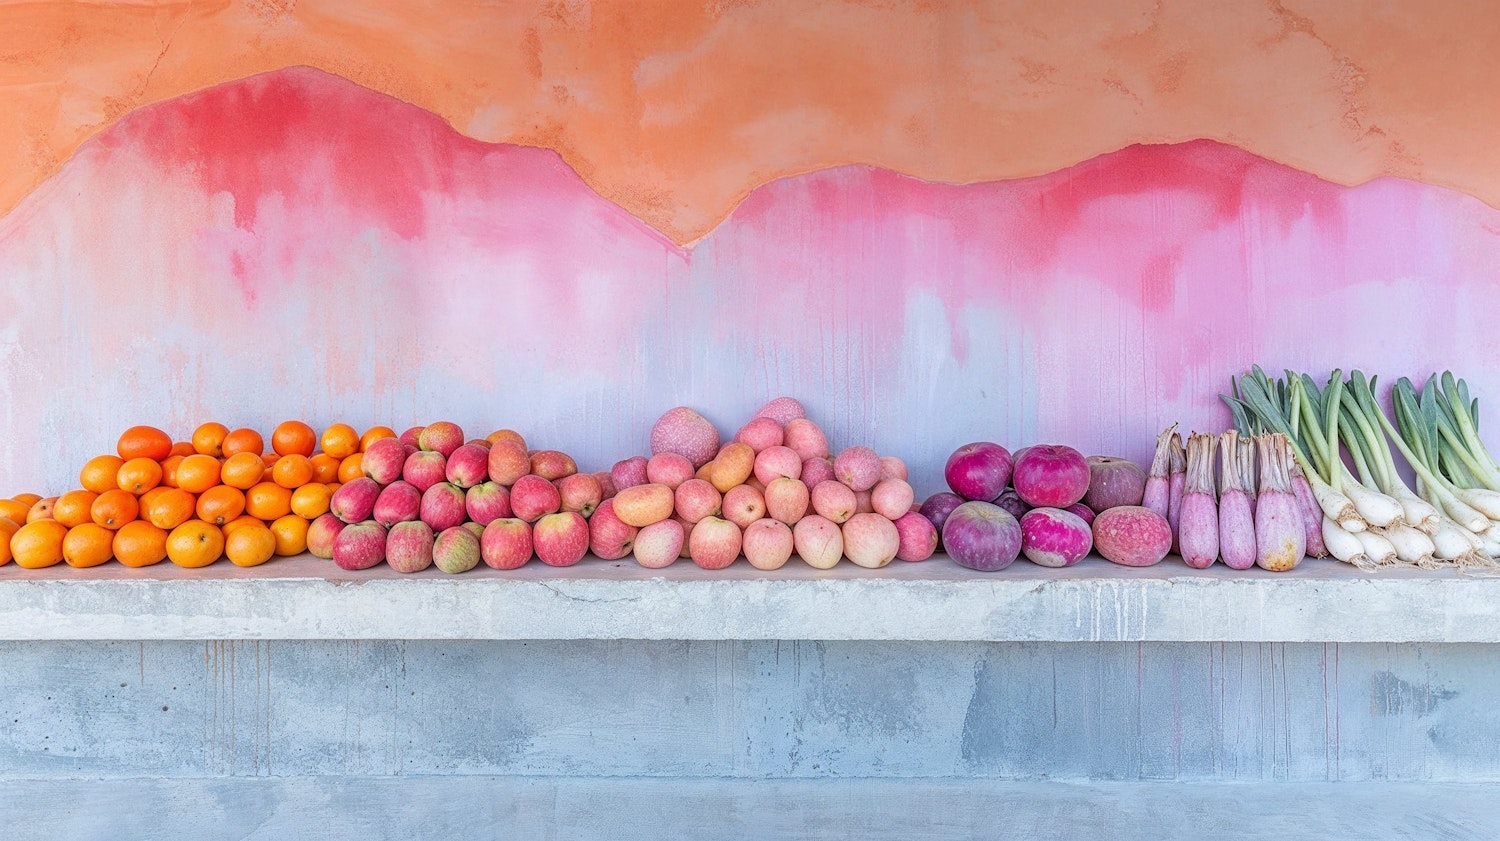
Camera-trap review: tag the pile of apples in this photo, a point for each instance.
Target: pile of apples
(430, 499)
(774, 490)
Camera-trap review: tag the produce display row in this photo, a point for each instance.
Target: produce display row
(432, 497)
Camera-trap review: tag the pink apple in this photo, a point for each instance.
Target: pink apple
(354, 501)
(410, 436)
(659, 545)
(487, 502)
(408, 546)
(479, 442)
(857, 467)
(918, 538)
(399, 502)
(359, 545)
(761, 434)
(892, 468)
(474, 528)
(552, 465)
(455, 550)
(818, 541)
(443, 437)
(773, 463)
(424, 468)
(834, 501)
(870, 540)
(506, 543)
(816, 471)
(805, 439)
(610, 537)
(768, 544)
(696, 499)
(715, 543)
(443, 507)
(642, 505)
(687, 534)
(787, 500)
(507, 463)
(321, 533)
(579, 492)
(533, 497)
(629, 472)
(561, 539)
(606, 484)
(783, 410)
(892, 498)
(863, 503)
(468, 466)
(687, 433)
(383, 461)
(980, 470)
(743, 505)
(669, 469)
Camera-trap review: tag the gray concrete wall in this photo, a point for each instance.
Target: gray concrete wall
(1002, 711)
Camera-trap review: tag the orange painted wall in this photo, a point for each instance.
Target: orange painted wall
(677, 110)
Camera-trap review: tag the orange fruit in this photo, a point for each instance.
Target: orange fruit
(208, 439)
(240, 522)
(140, 544)
(325, 468)
(88, 545)
(72, 508)
(268, 500)
(29, 500)
(170, 509)
(144, 442)
(311, 500)
(182, 448)
(169, 470)
(139, 475)
(250, 546)
(38, 545)
(115, 508)
(220, 504)
(8, 528)
(100, 473)
(42, 510)
(507, 435)
(292, 471)
(195, 544)
(149, 499)
(352, 468)
(14, 510)
(242, 470)
(340, 440)
(291, 535)
(373, 434)
(242, 441)
(294, 438)
(198, 473)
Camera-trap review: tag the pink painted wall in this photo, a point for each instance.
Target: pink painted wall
(293, 245)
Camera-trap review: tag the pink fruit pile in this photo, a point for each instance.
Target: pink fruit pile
(428, 498)
(772, 491)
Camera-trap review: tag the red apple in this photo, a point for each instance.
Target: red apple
(561, 539)
(354, 501)
(743, 505)
(816, 471)
(610, 537)
(669, 469)
(834, 501)
(580, 492)
(533, 497)
(443, 436)
(410, 436)
(659, 545)
(321, 534)
(359, 545)
(383, 460)
(487, 502)
(469, 465)
(696, 499)
(629, 472)
(507, 463)
(918, 538)
(423, 469)
(715, 543)
(455, 550)
(408, 546)
(443, 507)
(506, 543)
(552, 465)
(399, 502)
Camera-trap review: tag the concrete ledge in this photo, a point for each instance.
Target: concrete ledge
(664, 809)
(307, 598)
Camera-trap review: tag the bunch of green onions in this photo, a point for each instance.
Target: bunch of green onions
(1370, 517)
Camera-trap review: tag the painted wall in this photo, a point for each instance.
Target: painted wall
(293, 245)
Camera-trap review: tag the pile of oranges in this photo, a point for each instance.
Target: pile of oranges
(220, 494)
